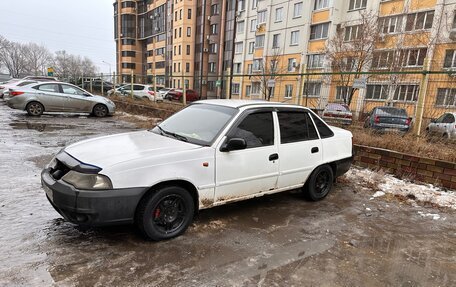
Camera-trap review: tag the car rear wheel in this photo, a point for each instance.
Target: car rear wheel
(100, 110)
(165, 214)
(319, 183)
(35, 109)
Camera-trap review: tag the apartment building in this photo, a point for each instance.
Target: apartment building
(176, 42)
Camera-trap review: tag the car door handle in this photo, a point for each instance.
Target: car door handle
(314, 150)
(273, 157)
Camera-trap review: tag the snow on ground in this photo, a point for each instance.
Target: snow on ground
(138, 117)
(382, 184)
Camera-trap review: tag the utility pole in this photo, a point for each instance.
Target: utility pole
(421, 98)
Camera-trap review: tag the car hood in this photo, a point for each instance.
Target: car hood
(111, 150)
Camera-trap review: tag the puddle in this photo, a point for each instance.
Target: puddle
(41, 127)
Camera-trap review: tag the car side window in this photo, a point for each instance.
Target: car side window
(71, 90)
(296, 126)
(448, 119)
(138, 88)
(53, 88)
(256, 129)
(323, 129)
(440, 119)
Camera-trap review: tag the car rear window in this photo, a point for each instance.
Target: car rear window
(387, 111)
(323, 129)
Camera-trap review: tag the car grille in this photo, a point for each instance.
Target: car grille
(59, 170)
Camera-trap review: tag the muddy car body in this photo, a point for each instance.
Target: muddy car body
(211, 153)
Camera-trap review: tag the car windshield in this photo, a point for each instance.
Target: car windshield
(199, 123)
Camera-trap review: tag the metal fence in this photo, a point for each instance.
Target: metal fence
(423, 95)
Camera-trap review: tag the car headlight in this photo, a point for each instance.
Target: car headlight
(87, 181)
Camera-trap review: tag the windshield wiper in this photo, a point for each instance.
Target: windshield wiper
(174, 135)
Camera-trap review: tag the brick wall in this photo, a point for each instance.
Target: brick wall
(415, 168)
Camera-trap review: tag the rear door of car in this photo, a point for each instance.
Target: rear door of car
(51, 97)
(300, 148)
(76, 99)
(252, 170)
(139, 91)
(448, 123)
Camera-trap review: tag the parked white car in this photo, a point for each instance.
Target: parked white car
(211, 153)
(4, 88)
(142, 92)
(444, 126)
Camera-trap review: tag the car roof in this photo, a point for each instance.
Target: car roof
(243, 103)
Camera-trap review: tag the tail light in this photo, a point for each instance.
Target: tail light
(15, 93)
(377, 119)
(408, 121)
(348, 116)
(151, 93)
(2, 87)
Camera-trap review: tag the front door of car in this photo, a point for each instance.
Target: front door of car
(76, 99)
(447, 123)
(251, 170)
(300, 147)
(51, 97)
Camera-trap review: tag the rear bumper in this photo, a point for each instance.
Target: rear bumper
(92, 208)
(343, 165)
(385, 128)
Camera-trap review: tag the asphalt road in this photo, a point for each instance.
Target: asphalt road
(280, 240)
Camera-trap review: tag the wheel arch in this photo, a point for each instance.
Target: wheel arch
(34, 100)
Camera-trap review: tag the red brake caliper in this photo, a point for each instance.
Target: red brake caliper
(157, 213)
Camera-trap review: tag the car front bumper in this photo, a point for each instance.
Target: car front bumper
(93, 208)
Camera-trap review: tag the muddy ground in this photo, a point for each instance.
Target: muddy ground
(280, 240)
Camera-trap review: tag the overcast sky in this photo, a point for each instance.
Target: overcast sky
(81, 27)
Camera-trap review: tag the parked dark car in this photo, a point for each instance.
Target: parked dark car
(176, 95)
(388, 119)
(337, 113)
(96, 85)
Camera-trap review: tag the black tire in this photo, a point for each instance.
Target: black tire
(100, 111)
(319, 183)
(35, 109)
(165, 214)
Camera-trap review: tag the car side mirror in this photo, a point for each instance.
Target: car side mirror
(233, 144)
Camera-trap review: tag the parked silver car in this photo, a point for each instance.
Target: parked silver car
(337, 113)
(58, 97)
(444, 126)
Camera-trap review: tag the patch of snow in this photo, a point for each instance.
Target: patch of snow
(434, 216)
(386, 183)
(368, 209)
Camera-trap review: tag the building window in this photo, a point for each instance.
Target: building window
(213, 29)
(321, 4)
(160, 65)
(454, 21)
(189, 14)
(288, 91)
(210, 86)
(251, 47)
(257, 64)
(211, 67)
(377, 92)
(446, 97)
(261, 17)
(319, 31)
(128, 4)
(390, 25)
(214, 9)
(315, 61)
(413, 57)
(256, 87)
(291, 65)
(352, 33)
(253, 25)
(240, 27)
(128, 66)
(188, 50)
(237, 67)
(187, 67)
(128, 54)
(279, 14)
(241, 5)
(275, 41)
(189, 31)
(259, 41)
(235, 87)
(248, 90)
(312, 89)
(419, 21)
(294, 39)
(128, 42)
(254, 4)
(357, 4)
(406, 93)
(213, 48)
(249, 68)
(297, 10)
(341, 93)
(383, 59)
(450, 59)
(238, 47)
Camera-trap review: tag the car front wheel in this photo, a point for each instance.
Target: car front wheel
(319, 183)
(35, 109)
(165, 214)
(100, 111)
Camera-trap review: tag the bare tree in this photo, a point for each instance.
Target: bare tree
(268, 69)
(38, 59)
(12, 55)
(351, 49)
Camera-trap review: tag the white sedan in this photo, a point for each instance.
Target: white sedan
(211, 153)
